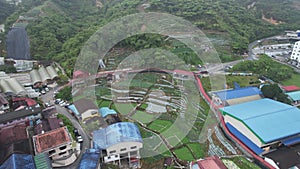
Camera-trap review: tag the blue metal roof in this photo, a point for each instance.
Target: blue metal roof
(237, 93)
(295, 96)
(116, 133)
(268, 119)
(90, 159)
(74, 110)
(19, 161)
(244, 139)
(104, 111)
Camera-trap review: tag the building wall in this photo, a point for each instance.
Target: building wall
(124, 148)
(58, 152)
(243, 129)
(89, 113)
(296, 52)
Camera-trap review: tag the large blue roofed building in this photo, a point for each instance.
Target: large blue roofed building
(90, 159)
(119, 142)
(263, 123)
(19, 161)
(236, 96)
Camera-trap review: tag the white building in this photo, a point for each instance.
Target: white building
(120, 144)
(296, 52)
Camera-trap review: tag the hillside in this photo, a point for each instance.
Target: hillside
(61, 27)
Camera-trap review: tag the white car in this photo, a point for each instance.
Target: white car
(79, 139)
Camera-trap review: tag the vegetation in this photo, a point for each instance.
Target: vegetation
(265, 66)
(6, 10)
(67, 123)
(8, 68)
(65, 93)
(244, 163)
(294, 80)
(274, 92)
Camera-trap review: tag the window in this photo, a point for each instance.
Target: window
(112, 151)
(134, 147)
(116, 156)
(51, 152)
(62, 153)
(63, 147)
(123, 149)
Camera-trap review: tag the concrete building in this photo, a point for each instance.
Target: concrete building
(57, 144)
(86, 108)
(296, 52)
(120, 144)
(295, 97)
(264, 124)
(236, 96)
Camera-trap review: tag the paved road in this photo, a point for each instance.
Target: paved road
(86, 140)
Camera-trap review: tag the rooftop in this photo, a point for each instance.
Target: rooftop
(19, 161)
(295, 96)
(268, 119)
(212, 162)
(10, 116)
(51, 139)
(238, 93)
(116, 133)
(82, 105)
(89, 159)
(107, 111)
(290, 88)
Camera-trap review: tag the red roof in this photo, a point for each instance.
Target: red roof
(51, 139)
(79, 74)
(290, 88)
(30, 102)
(211, 162)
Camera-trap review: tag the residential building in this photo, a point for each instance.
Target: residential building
(87, 109)
(120, 144)
(264, 124)
(57, 144)
(290, 88)
(296, 52)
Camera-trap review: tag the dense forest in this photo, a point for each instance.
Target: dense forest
(59, 28)
(6, 10)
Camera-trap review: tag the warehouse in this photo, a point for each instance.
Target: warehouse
(263, 124)
(236, 96)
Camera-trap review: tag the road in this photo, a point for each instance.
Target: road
(86, 139)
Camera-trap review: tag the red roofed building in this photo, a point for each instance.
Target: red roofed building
(290, 88)
(212, 162)
(57, 143)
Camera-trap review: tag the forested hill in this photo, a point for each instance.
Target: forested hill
(6, 10)
(60, 27)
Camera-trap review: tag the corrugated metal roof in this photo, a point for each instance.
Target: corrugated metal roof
(51, 71)
(116, 133)
(290, 88)
(44, 74)
(42, 161)
(268, 119)
(106, 111)
(35, 76)
(74, 110)
(90, 159)
(238, 93)
(19, 161)
(295, 96)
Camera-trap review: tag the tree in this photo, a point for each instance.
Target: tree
(274, 92)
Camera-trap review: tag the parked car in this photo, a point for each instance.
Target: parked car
(79, 138)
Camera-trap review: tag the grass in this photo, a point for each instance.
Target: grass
(123, 108)
(243, 81)
(197, 149)
(143, 117)
(160, 125)
(244, 163)
(104, 103)
(184, 154)
(295, 80)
